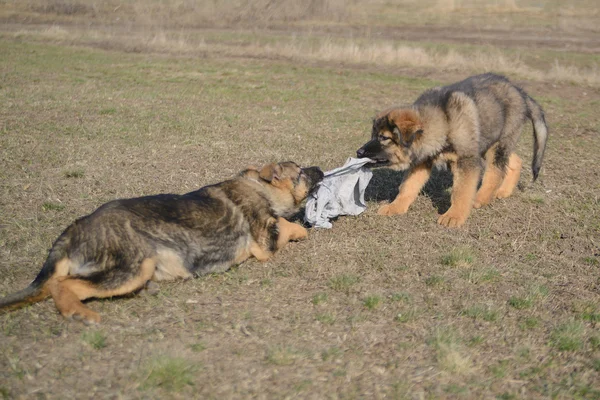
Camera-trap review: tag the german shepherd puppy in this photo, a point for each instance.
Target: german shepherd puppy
(127, 243)
(464, 125)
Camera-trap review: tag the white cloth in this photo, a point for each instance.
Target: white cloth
(342, 192)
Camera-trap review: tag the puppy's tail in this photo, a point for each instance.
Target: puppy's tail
(37, 289)
(31, 294)
(540, 134)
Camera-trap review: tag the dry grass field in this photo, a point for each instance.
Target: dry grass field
(113, 99)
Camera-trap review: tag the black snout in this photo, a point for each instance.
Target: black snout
(314, 175)
(370, 149)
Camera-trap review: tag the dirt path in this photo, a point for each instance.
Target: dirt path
(583, 41)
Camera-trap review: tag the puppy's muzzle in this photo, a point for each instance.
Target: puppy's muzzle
(314, 176)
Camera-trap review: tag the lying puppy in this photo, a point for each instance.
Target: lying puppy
(126, 243)
(466, 124)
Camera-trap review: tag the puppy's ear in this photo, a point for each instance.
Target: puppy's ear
(270, 172)
(407, 126)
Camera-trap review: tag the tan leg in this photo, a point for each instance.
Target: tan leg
(67, 302)
(513, 173)
(463, 193)
(68, 292)
(259, 253)
(408, 191)
(492, 178)
(289, 231)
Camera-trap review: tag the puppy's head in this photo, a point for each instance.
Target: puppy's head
(393, 138)
(291, 184)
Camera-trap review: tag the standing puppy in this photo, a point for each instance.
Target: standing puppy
(126, 243)
(466, 125)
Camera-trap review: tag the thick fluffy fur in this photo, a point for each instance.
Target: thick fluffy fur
(125, 244)
(468, 125)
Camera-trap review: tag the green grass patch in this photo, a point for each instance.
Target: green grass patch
(506, 396)
(458, 257)
(266, 282)
(490, 275)
(456, 389)
(476, 340)
(450, 354)
(590, 313)
(170, 373)
(535, 199)
(520, 303)
(280, 355)
(594, 342)
(538, 292)
(434, 280)
(325, 318)
(320, 298)
(372, 302)
(108, 111)
(529, 323)
(482, 312)
(5, 393)
(524, 352)
(198, 347)
(567, 337)
(96, 339)
(591, 261)
(530, 257)
(343, 282)
(49, 206)
(301, 386)
(500, 369)
(331, 353)
(401, 296)
(76, 173)
(477, 276)
(535, 295)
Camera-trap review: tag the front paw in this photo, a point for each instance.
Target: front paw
(503, 193)
(478, 203)
(452, 219)
(392, 209)
(300, 233)
(482, 199)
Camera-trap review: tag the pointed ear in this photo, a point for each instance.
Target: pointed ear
(407, 125)
(269, 172)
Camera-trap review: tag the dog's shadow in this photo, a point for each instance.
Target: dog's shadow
(385, 182)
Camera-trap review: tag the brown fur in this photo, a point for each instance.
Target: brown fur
(125, 244)
(470, 125)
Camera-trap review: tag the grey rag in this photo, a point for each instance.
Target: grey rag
(342, 192)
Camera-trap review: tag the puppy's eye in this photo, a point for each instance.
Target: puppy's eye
(383, 138)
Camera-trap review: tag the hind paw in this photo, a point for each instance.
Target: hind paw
(83, 314)
(151, 288)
